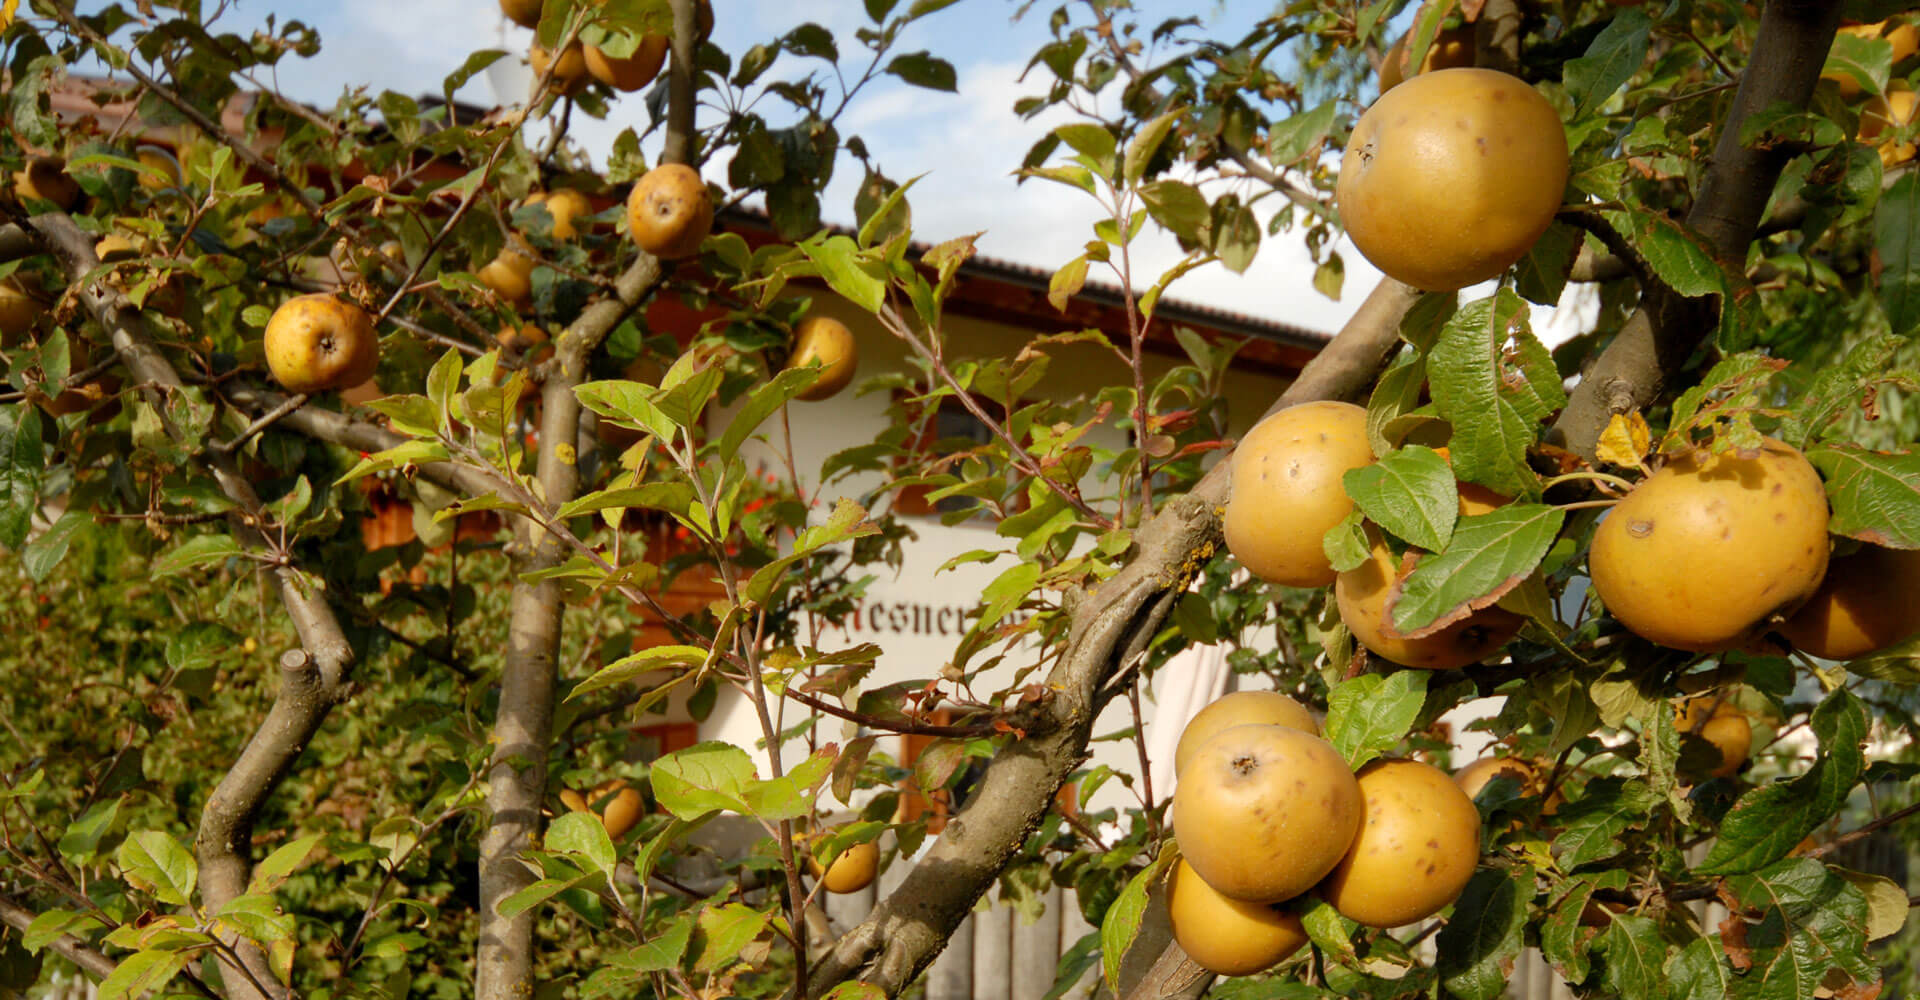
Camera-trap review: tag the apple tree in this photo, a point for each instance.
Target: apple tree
(254, 754)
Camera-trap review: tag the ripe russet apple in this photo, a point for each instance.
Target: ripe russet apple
(1264, 812)
(564, 205)
(1869, 599)
(1452, 176)
(1241, 708)
(525, 13)
(622, 811)
(825, 343)
(1707, 550)
(850, 871)
(46, 179)
(510, 275)
(318, 342)
(1452, 48)
(670, 211)
(569, 70)
(1226, 936)
(1362, 594)
(1286, 490)
(1717, 721)
(164, 167)
(629, 73)
(1415, 851)
(18, 310)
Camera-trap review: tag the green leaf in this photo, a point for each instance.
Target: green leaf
(1635, 957)
(1896, 229)
(1867, 61)
(1495, 410)
(1541, 276)
(728, 929)
(1768, 821)
(1700, 972)
(706, 776)
(141, 973)
(584, 836)
(847, 269)
(1122, 922)
(1592, 824)
(811, 39)
(1678, 257)
(663, 952)
(198, 551)
(639, 664)
(1180, 208)
(284, 861)
(1411, 493)
(1293, 138)
(1146, 142)
(535, 894)
(22, 462)
(82, 837)
(922, 69)
(847, 522)
(674, 497)
(1067, 282)
(1483, 937)
(257, 916)
(1346, 543)
(791, 795)
(52, 925)
(1396, 394)
(1370, 714)
(43, 554)
(1896, 664)
(1806, 920)
(1329, 931)
(1093, 142)
(1611, 60)
(155, 862)
(1875, 494)
(629, 403)
(1488, 556)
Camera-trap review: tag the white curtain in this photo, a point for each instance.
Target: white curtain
(1188, 683)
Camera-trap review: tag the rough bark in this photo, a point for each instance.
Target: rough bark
(314, 678)
(523, 729)
(1664, 332)
(1109, 627)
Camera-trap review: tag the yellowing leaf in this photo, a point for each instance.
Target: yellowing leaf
(7, 7)
(1626, 439)
(1886, 903)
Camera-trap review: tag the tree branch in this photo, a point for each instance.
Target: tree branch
(908, 929)
(1664, 332)
(66, 946)
(314, 678)
(523, 730)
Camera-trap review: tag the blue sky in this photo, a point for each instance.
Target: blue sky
(966, 144)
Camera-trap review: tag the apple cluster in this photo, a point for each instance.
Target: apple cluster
(1267, 812)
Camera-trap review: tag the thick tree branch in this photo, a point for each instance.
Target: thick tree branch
(314, 678)
(908, 929)
(523, 730)
(66, 946)
(343, 430)
(1664, 332)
